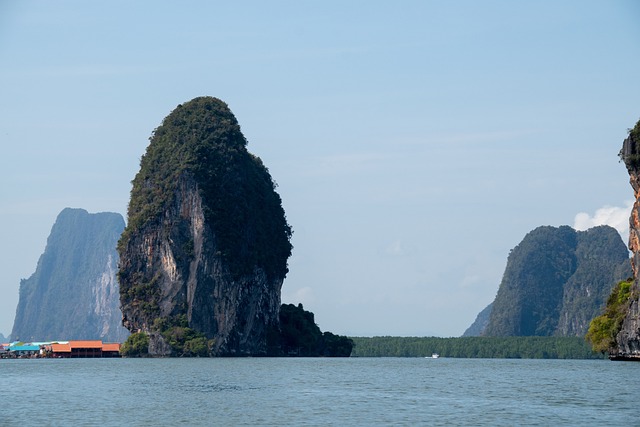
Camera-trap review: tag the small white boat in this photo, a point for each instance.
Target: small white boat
(435, 355)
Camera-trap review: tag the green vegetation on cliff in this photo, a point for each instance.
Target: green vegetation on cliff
(604, 328)
(630, 152)
(184, 341)
(635, 131)
(136, 345)
(300, 336)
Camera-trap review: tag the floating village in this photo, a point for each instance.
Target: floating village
(59, 349)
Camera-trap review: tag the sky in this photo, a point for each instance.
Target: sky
(414, 143)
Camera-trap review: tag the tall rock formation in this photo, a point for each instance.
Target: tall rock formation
(207, 242)
(556, 280)
(628, 338)
(73, 293)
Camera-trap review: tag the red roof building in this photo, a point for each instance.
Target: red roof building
(84, 349)
(111, 349)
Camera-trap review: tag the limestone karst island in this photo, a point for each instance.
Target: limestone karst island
(205, 250)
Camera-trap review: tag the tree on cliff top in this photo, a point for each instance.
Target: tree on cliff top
(630, 152)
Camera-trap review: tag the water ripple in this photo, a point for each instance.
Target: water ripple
(311, 392)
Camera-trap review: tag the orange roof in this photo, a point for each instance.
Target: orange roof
(111, 347)
(86, 344)
(60, 348)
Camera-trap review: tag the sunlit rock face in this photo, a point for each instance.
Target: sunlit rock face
(628, 339)
(73, 293)
(207, 241)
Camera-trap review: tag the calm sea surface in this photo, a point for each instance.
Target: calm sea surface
(316, 392)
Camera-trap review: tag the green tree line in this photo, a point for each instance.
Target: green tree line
(475, 347)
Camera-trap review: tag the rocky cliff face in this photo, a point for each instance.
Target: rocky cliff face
(207, 242)
(556, 281)
(628, 339)
(73, 293)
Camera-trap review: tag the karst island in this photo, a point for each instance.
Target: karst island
(204, 254)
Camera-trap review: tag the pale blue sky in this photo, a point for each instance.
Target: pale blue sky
(414, 142)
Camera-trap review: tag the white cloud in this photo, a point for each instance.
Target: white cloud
(614, 216)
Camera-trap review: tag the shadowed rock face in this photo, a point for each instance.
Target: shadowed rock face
(628, 339)
(73, 293)
(207, 239)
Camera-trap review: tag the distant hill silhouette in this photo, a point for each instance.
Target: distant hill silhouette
(73, 293)
(556, 280)
(480, 324)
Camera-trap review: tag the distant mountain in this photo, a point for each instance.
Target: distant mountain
(73, 293)
(480, 324)
(556, 280)
(3, 338)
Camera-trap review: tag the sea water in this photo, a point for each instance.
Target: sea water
(318, 392)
